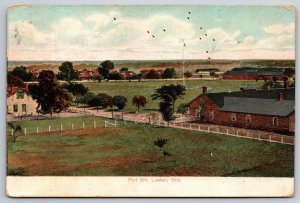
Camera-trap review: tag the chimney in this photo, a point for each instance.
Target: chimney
(280, 96)
(204, 90)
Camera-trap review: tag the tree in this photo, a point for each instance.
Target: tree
(123, 69)
(105, 67)
(139, 101)
(105, 100)
(160, 143)
(115, 76)
(169, 93)
(167, 111)
(187, 74)
(169, 73)
(66, 72)
(139, 76)
(49, 95)
(119, 101)
(85, 99)
(13, 80)
(95, 102)
(76, 89)
(152, 74)
(15, 129)
(21, 72)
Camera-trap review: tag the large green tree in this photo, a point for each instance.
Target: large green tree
(67, 72)
(169, 93)
(119, 101)
(105, 67)
(50, 96)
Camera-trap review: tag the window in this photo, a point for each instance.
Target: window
(233, 117)
(211, 115)
(198, 111)
(24, 108)
(275, 121)
(20, 95)
(248, 118)
(15, 108)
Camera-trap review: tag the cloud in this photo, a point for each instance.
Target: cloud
(98, 37)
(280, 28)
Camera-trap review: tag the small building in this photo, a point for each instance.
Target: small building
(248, 73)
(270, 110)
(20, 103)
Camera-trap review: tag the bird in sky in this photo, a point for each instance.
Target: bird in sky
(200, 38)
(153, 36)
(205, 34)
(214, 40)
(200, 28)
(188, 18)
(189, 12)
(115, 19)
(164, 30)
(206, 51)
(148, 31)
(209, 58)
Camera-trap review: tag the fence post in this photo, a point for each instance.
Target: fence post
(258, 136)
(94, 124)
(12, 132)
(208, 129)
(82, 125)
(25, 131)
(190, 126)
(270, 138)
(37, 130)
(237, 132)
(49, 128)
(72, 126)
(227, 132)
(199, 128)
(281, 139)
(247, 134)
(217, 130)
(61, 127)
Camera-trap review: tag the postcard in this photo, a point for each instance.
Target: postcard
(150, 101)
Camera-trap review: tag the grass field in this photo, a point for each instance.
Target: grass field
(129, 150)
(129, 89)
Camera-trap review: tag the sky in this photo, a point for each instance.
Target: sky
(84, 33)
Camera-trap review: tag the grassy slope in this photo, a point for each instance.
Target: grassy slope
(75, 155)
(129, 89)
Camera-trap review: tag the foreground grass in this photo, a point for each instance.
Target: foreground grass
(129, 150)
(130, 89)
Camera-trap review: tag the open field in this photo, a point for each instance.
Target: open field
(194, 88)
(129, 150)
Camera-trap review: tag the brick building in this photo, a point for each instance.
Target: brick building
(249, 73)
(272, 110)
(19, 102)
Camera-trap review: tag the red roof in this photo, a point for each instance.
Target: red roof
(11, 90)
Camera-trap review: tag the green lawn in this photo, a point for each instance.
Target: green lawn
(129, 89)
(129, 150)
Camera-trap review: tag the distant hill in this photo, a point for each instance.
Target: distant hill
(191, 65)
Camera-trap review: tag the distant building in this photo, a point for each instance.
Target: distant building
(88, 74)
(271, 110)
(19, 102)
(249, 73)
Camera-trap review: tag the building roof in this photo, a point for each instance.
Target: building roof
(256, 71)
(11, 90)
(271, 107)
(218, 98)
